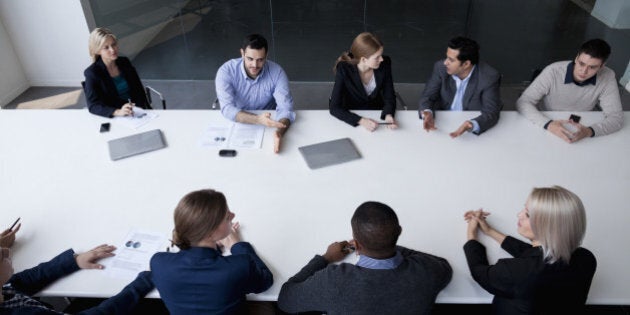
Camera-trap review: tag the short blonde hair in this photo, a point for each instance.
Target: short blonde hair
(97, 38)
(558, 221)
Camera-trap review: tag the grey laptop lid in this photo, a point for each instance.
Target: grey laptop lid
(329, 153)
(136, 144)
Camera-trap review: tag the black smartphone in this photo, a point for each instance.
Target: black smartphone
(105, 127)
(227, 153)
(575, 118)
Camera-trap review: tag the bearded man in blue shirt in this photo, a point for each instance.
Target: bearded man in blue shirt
(254, 83)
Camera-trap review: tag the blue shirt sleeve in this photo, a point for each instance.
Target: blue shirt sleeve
(226, 91)
(475, 129)
(282, 95)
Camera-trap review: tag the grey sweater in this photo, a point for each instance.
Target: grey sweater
(549, 87)
(410, 288)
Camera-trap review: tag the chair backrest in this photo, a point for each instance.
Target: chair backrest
(148, 91)
(401, 101)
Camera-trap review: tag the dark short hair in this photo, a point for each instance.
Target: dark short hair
(375, 226)
(468, 49)
(255, 41)
(596, 48)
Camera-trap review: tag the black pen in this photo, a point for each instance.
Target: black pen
(14, 223)
(385, 123)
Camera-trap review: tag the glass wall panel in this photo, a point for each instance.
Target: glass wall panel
(190, 39)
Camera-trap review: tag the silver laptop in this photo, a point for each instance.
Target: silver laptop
(136, 144)
(329, 153)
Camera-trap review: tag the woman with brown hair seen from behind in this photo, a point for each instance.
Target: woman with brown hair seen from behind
(363, 81)
(199, 279)
(112, 85)
(553, 274)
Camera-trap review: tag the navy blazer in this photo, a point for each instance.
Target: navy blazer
(526, 284)
(482, 94)
(31, 281)
(348, 92)
(200, 280)
(100, 91)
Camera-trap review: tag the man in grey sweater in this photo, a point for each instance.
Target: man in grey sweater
(577, 85)
(387, 279)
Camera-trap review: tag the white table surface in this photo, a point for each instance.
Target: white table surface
(55, 173)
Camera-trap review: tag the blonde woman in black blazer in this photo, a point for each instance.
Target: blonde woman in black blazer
(112, 85)
(363, 81)
(550, 275)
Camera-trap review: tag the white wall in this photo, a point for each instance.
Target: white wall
(12, 78)
(50, 39)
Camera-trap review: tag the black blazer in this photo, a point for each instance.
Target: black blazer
(482, 93)
(100, 91)
(348, 92)
(525, 284)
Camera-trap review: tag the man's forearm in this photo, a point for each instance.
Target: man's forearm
(247, 118)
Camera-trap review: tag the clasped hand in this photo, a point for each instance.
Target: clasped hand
(476, 220)
(371, 124)
(559, 128)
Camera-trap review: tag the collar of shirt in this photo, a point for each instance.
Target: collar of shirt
(458, 81)
(371, 263)
(244, 73)
(568, 78)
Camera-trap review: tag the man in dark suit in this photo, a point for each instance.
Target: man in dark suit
(460, 82)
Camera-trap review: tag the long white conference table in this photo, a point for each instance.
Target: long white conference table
(55, 173)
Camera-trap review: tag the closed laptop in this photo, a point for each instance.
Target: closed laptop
(136, 144)
(329, 153)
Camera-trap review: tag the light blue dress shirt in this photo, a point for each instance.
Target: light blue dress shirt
(459, 95)
(371, 263)
(270, 90)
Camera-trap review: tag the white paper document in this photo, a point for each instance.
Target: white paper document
(134, 254)
(236, 135)
(140, 118)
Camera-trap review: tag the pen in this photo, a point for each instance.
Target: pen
(385, 123)
(349, 248)
(129, 102)
(14, 223)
